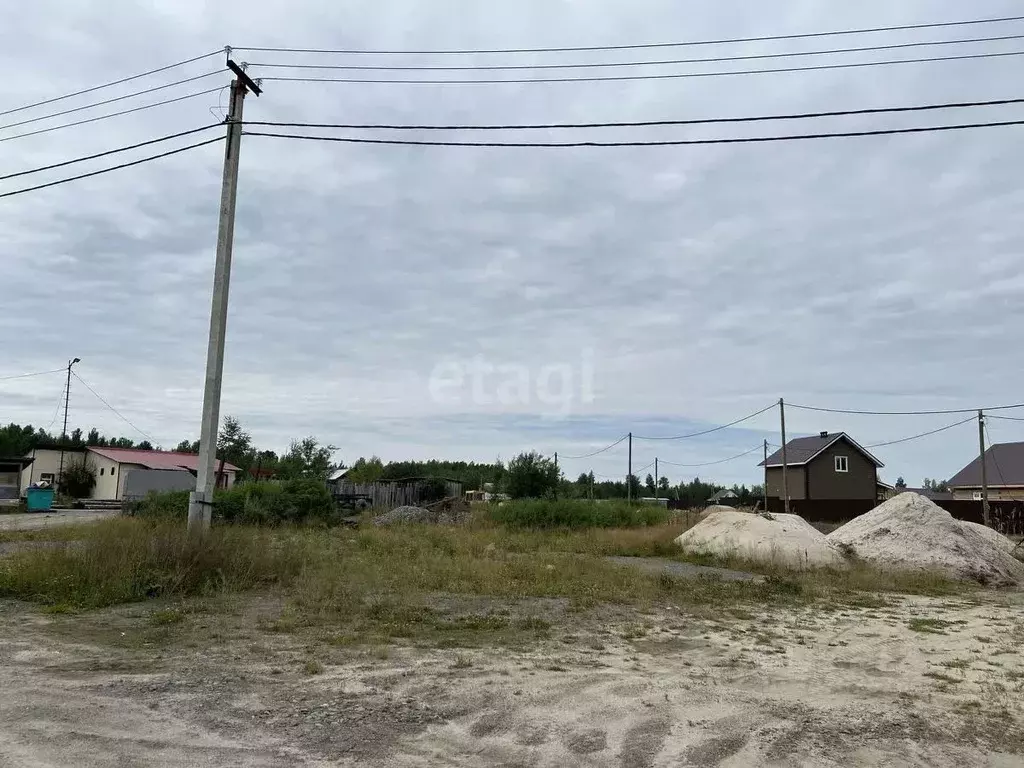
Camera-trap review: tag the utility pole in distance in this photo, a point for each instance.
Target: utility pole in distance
(984, 473)
(655, 477)
(64, 434)
(785, 477)
(201, 499)
(558, 476)
(629, 475)
(765, 486)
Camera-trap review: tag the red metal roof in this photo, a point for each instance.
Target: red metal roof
(155, 459)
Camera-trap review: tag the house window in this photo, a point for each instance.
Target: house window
(842, 464)
(112, 471)
(977, 495)
(46, 477)
(101, 471)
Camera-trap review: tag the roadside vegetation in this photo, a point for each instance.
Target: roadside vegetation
(376, 584)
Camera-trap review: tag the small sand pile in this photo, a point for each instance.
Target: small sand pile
(712, 509)
(910, 532)
(781, 539)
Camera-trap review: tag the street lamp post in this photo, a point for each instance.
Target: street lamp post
(64, 434)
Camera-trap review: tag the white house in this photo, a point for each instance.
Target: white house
(113, 466)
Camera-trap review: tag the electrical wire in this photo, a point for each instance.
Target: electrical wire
(112, 168)
(713, 429)
(923, 434)
(667, 76)
(647, 466)
(904, 413)
(109, 152)
(644, 123)
(595, 453)
(653, 63)
(723, 41)
(665, 143)
(56, 411)
(112, 408)
(110, 115)
(757, 447)
(1005, 418)
(113, 100)
(29, 375)
(110, 84)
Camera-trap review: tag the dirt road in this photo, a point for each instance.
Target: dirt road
(32, 521)
(918, 681)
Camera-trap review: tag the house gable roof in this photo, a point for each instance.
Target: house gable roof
(803, 450)
(1004, 466)
(156, 459)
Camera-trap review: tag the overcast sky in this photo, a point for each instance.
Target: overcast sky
(659, 290)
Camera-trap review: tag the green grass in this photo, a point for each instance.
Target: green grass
(576, 513)
(932, 626)
(382, 585)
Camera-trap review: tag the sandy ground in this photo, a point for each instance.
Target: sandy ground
(919, 681)
(32, 521)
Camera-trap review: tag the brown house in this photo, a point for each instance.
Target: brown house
(827, 467)
(1004, 471)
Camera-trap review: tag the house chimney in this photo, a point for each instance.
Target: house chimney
(823, 434)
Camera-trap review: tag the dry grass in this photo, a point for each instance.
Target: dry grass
(378, 584)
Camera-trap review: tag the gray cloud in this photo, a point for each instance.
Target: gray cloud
(707, 281)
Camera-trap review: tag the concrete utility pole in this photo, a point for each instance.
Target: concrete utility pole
(201, 499)
(558, 476)
(785, 476)
(64, 434)
(629, 475)
(765, 486)
(984, 472)
(655, 477)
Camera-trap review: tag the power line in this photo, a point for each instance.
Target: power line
(722, 41)
(923, 434)
(595, 453)
(1005, 418)
(60, 400)
(995, 460)
(648, 466)
(713, 429)
(110, 84)
(110, 115)
(664, 143)
(757, 447)
(112, 168)
(113, 100)
(668, 76)
(29, 375)
(109, 152)
(652, 63)
(903, 413)
(112, 408)
(645, 123)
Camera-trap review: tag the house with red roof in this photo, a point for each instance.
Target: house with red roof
(124, 472)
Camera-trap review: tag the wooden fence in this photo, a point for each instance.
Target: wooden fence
(396, 493)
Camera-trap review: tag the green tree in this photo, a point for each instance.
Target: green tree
(145, 445)
(900, 482)
(78, 480)
(366, 470)
(234, 444)
(649, 483)
(664, 484)
(306, 458)
(531, 475)
(186, 446)
(76, 437)
(16, 440)
(93, 438)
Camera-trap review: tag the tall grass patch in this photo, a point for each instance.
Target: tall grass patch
(264, 503)
(576, 513)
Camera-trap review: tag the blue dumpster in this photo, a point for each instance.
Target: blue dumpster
(39, 499)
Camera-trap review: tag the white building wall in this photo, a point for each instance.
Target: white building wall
(47, 465)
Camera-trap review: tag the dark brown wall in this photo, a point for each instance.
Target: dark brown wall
(795, 480)
(826, 483)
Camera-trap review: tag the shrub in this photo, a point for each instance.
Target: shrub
(576, 513)
(77, 480)
(270, 503)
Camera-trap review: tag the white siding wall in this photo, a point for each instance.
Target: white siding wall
(47, 461)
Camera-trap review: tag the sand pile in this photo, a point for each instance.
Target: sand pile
(910, 532)
(709, 510)
(781, 539)
(992, 535)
